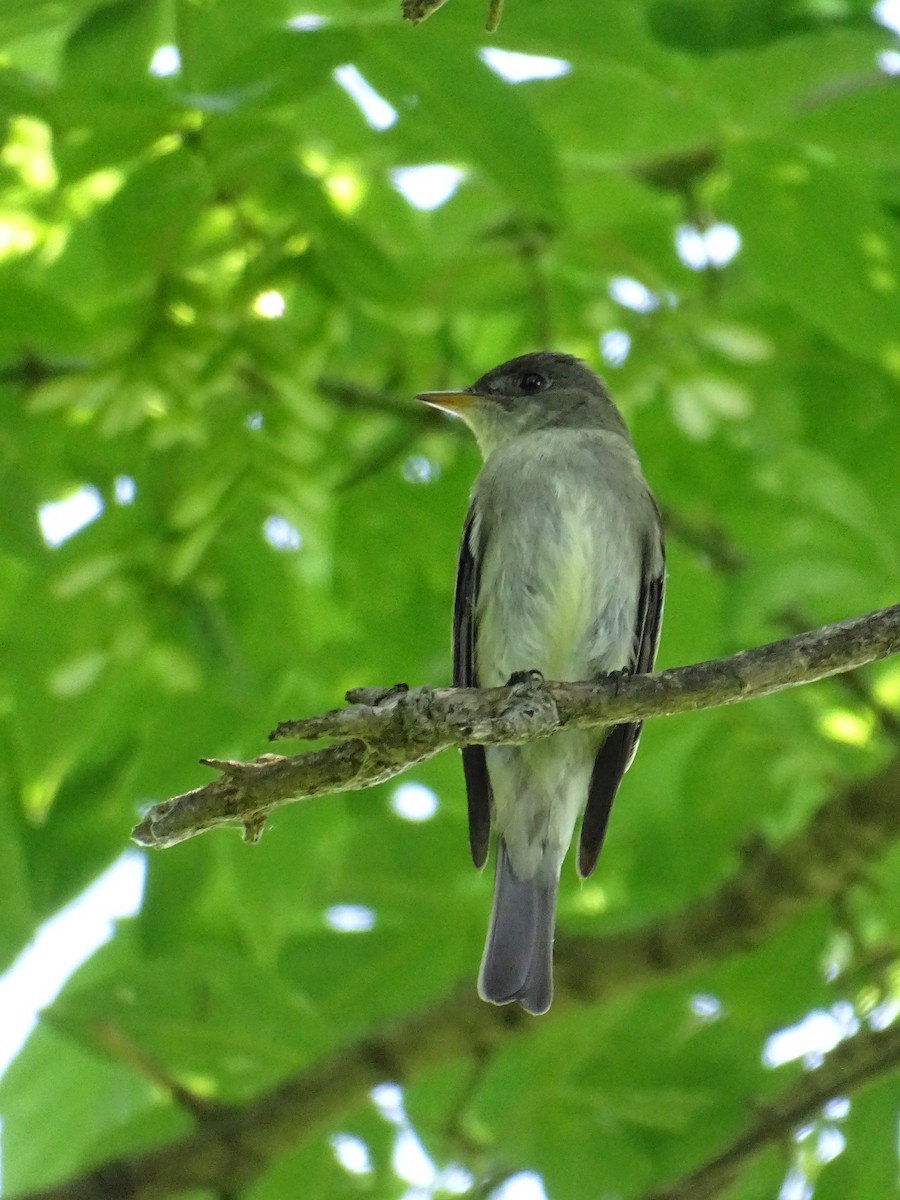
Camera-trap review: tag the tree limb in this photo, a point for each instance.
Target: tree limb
(396, 728)
(852, 1065)
(771, 886)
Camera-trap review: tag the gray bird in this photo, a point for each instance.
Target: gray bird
(561, 570)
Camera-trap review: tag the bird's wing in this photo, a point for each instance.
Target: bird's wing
(618, 750)
(478, 784)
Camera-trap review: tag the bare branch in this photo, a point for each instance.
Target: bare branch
(359, 397)
(398, 728)
(116, 1042)
(772, 886)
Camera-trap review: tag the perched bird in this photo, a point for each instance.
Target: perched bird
(561, 570)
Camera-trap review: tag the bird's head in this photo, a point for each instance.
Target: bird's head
(544, 390)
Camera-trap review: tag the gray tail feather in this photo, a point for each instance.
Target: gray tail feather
(518, 956)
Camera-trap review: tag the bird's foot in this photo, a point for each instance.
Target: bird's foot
(614, 677)
(375, 695)
(530, 706)
(525, 679)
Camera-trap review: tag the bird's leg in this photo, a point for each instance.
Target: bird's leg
(527, 679)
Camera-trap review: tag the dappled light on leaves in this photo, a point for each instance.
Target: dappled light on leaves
(376, 110)
(270, 304)
(414, 802)
(427, 186)
(166, 61)
(235, 243)
(615, 345)
(631, 293)
(419, 469)
(61, 519)
(352, 1153)
(281, 534)
(844, 726)
(812, 1037)
(410, 1159)
(306, 22)
(712, 247)
(515, 67)
(61, 944)
(706, 1007)
(350, 918)
(124, 489)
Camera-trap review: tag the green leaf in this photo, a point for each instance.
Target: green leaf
(444, 92)
(644, 118)
(794, 79)
(113, 44)
(868, 1165)
(791, 210)
(57, 1100)
(141, 220)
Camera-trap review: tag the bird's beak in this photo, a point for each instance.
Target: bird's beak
(452, 402)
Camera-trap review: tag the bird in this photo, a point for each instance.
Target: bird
(561, 571)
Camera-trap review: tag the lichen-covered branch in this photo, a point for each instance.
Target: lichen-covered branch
(395, 728)
(773, 885)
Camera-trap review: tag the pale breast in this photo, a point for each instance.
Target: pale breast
(561, 566)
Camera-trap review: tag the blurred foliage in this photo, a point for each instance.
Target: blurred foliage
(216, 302)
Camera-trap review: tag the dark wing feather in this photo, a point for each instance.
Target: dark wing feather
(618, 750)
(478, 784)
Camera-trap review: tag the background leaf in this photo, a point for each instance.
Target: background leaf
(219, 292)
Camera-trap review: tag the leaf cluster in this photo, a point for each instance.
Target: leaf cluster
(216, 302)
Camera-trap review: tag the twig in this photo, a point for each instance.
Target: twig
(379, 740)
(31, 371)
(531, 246)
(888, 721)
(494, 15)
(397, 443)
(118, 1044)
(356, 396)
(417, 10)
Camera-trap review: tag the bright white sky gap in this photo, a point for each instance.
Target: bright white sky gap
(166, 61)
(428, 186)
(373, 106)
(515, 67)
(61, 945)
(61, 519)
(887, 13)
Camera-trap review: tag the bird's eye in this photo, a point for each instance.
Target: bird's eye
(532, 382)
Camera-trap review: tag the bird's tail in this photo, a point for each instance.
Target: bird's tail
(518, 955)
